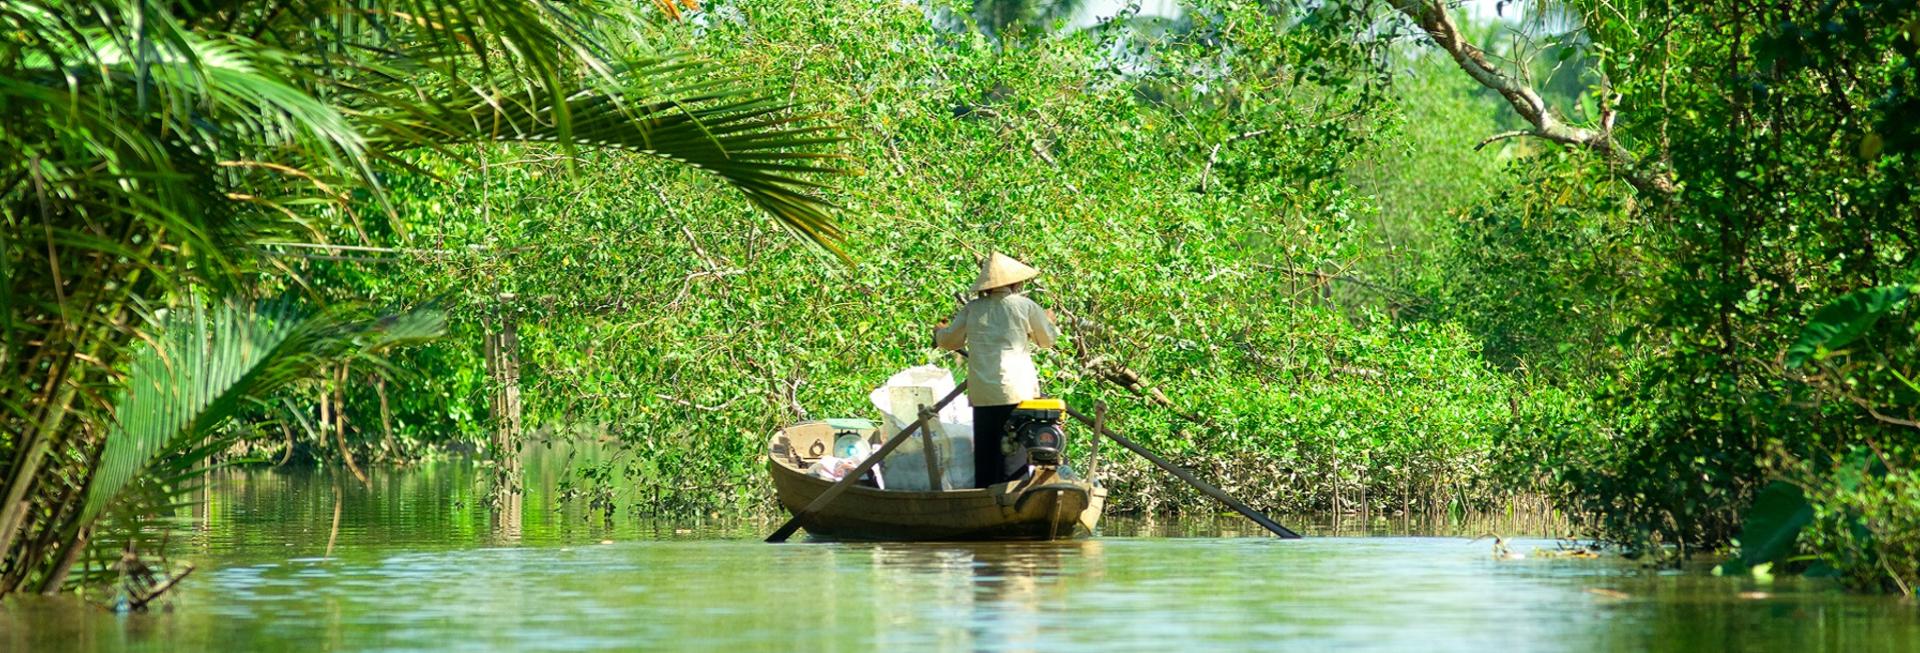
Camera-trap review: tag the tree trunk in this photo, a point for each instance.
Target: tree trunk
(14, 508)
(386, 419)
(1432, 17)
(502, 343)
(339, 399)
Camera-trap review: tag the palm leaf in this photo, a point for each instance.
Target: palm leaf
(759, 145)
(206, 365)
(380, 78)
(150, 145)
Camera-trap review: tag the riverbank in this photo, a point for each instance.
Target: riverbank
(446, 503)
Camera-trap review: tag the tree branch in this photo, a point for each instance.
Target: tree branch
(1214, 154)
(1431, 16)
(1504, 136)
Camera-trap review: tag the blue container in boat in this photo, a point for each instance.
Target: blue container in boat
(850, 446)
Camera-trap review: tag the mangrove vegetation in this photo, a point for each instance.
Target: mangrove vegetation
(1646, 264)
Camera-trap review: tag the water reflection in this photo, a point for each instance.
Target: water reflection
(508, 513)
(418, 567)
(1001, 596)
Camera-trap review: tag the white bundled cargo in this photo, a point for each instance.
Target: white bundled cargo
(900, 400)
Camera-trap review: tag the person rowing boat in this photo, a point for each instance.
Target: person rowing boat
(999, 328)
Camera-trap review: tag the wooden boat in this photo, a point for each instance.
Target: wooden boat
(1045, 505)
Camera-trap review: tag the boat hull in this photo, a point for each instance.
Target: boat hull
(1043, 506)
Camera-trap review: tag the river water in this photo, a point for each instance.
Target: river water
(419, 565)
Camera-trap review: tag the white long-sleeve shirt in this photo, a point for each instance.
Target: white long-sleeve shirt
(1000, 331)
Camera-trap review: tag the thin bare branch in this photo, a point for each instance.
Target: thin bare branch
(1504, 136)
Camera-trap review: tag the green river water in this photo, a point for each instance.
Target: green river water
(419, 566)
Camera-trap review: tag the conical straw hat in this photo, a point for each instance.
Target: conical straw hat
(1001, 270)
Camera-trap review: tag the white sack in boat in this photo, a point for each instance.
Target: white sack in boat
(899, 399)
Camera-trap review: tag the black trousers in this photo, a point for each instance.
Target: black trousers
(989, 430)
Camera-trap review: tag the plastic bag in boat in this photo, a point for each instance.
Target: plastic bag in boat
(900, 400)
(832, 468)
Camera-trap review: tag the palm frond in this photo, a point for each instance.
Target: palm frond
(150, 145)
(753, 142)
(207, 364)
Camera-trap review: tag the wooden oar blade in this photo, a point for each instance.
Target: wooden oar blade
(1184, 475)
(786, 531)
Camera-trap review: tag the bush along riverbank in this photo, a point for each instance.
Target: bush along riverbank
(1701, 306)
(1210, 262)
(1605, 322)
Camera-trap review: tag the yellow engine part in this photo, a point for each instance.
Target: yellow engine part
(1042, 404)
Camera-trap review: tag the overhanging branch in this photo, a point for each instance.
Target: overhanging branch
(1432, 17)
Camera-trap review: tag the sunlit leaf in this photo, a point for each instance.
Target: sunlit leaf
(1844, 320)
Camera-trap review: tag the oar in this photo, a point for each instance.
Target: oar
(1184, 475)
(800, 516)
(1187, 476)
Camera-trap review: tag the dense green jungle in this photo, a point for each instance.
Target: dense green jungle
(1645, 264)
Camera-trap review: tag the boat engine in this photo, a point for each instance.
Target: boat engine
(1035, 426)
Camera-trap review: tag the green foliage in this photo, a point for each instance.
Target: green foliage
(1685, 335)
(1425, 165)
(159, 148)
(1393, 416)
(1866, 516)
(1866, 503)
(204, 366)
(1210, 257)
(1548, 273)
(1843, 321)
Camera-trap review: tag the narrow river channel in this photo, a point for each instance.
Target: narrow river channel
(417, 566)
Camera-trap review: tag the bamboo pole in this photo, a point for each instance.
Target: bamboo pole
(935, 479)
(1184, 475)
(1099, 425)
